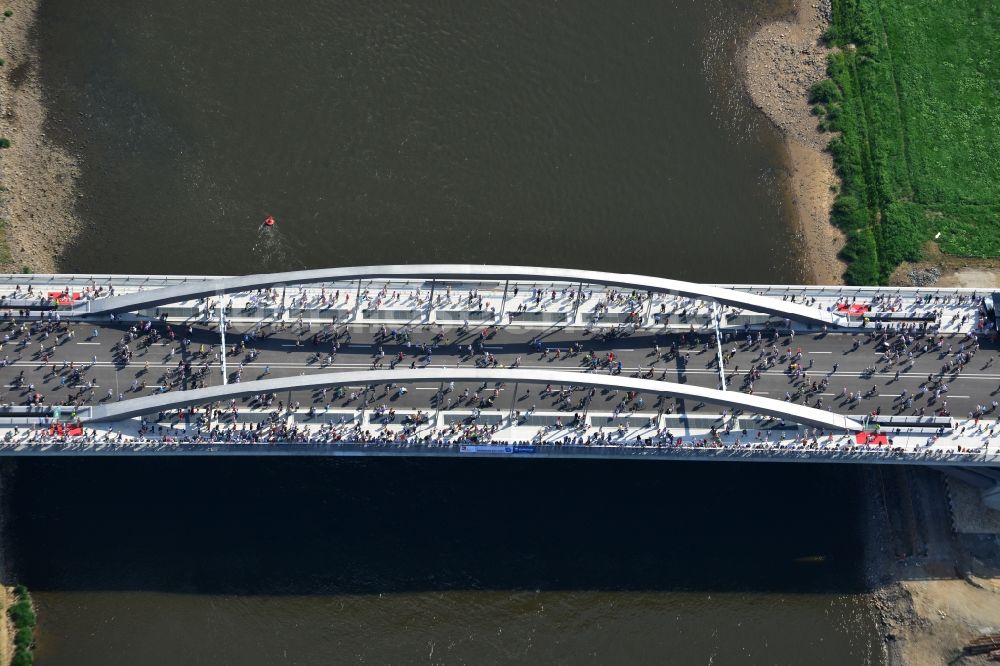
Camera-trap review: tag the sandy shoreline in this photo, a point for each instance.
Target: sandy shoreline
(37, 176)
(783, 59)
(926, 612)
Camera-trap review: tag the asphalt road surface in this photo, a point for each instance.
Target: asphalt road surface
(70, 373)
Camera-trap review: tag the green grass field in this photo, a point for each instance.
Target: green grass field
(917, 103)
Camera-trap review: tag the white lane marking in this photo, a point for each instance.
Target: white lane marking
(818, 352)
(425, 388)
(88, 343)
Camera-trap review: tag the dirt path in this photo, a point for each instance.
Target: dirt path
(944, 270)
(36, 202)
(951, 613)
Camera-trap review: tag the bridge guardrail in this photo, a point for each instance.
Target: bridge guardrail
(524, 449)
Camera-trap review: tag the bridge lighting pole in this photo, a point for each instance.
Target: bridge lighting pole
(503, 302)
(222, 336)
(440, 401)
(513, 405)
(579, 297)
(357, 301)
(718, 344)
(430, 302)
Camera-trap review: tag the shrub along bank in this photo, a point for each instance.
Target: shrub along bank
(913, 92)
(22, 616)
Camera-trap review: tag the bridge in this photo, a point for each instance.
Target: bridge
(495, 361)
(195, 289)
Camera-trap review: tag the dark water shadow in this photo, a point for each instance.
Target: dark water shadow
(325, 526)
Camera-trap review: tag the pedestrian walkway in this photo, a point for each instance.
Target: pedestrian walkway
(420, 432)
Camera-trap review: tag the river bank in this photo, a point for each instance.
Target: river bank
(7, 592)
(6, 629)
(930, 593)
(36, 176)
(782, 60)
(931, 562)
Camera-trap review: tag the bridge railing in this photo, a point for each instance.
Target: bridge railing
(523, 449)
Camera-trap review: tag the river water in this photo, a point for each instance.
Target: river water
(469, 561)
(590, 135)
(526, 132)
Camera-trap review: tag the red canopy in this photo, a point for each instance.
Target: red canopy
(875, 438)
(856, 309)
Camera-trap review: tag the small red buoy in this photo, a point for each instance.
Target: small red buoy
(269, 221)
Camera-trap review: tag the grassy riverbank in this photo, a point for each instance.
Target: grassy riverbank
(915, 100)
(22, 617)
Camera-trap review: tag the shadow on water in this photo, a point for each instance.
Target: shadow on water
(325, 526)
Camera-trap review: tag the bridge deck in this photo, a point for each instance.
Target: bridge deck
(87, 369)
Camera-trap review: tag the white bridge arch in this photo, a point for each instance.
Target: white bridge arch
(799, 414)
(195, 289)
